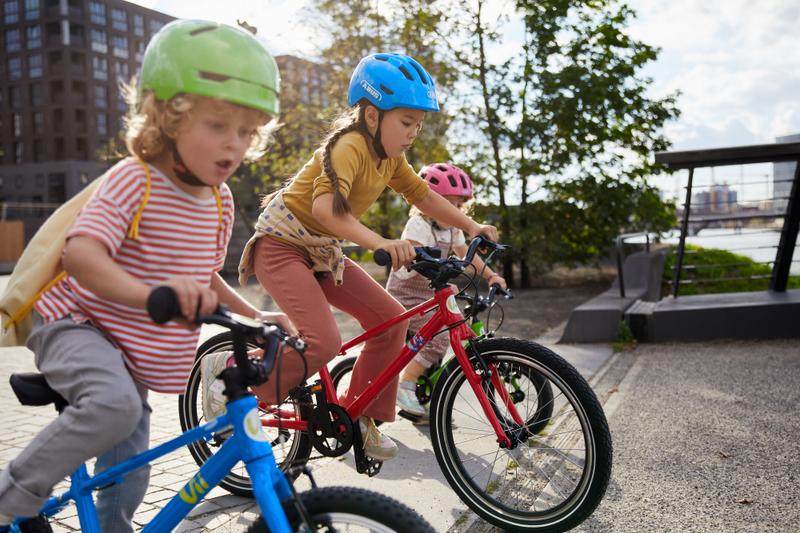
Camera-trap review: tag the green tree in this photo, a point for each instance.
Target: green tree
(570, 114)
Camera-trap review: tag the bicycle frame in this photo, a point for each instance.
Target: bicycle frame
(447, 315)
(248, 444)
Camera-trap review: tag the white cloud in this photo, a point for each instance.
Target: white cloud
(735, 62)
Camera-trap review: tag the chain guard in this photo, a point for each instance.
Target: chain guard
(331, 431)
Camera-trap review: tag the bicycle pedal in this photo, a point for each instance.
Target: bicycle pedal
(409, 416)
(373, 467)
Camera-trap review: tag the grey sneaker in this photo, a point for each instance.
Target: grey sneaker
(213, 399)
(407, 398)
(376, 445)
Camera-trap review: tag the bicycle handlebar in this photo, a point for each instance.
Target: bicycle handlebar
(163, 306)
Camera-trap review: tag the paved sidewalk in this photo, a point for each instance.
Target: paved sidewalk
(705, 439)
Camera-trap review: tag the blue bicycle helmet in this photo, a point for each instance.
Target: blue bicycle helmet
(389, 81)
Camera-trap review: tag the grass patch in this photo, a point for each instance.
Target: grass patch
(709, 271)
(625, 339)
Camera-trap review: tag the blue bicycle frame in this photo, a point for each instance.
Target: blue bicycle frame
(248, 443)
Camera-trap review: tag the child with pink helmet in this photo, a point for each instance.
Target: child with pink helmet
(412, 289)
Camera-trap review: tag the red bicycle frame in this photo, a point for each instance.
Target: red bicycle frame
(447, 315)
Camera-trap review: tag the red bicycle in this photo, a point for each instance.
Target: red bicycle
(514, 468)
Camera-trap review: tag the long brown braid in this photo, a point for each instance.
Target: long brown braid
(352, 120)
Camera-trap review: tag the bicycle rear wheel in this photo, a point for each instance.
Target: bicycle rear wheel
(351, 509)
(551, 480)
(291, 448)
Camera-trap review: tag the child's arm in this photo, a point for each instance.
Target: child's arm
(434, 205)
(88, 261)
(488, 274)
(348, 227)
(228, 296)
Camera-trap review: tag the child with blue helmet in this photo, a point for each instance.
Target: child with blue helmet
(296, 251)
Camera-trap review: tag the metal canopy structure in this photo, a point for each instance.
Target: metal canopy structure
(743, 155)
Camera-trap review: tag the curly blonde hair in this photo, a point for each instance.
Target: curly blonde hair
(152, 124)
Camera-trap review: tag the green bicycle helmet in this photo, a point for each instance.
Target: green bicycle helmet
(211, 59)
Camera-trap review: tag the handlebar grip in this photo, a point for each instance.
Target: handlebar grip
(163, 305)
(382, 257)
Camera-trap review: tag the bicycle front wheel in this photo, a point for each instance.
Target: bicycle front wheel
(557, 473)
(353, 510)
(291, 448)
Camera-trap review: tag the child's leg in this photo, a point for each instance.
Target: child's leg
(105, 407)
(285, 272)
(363, 298)
(117, 503)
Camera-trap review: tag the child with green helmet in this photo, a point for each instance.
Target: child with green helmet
(207, 98)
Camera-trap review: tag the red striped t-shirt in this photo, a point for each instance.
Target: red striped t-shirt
(179, 235)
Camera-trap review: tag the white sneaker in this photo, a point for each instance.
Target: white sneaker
(213, 398)
(376, 445)
(407, 398)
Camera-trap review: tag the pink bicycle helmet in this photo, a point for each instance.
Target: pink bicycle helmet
(447, 180)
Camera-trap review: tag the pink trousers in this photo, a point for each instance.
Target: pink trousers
(285, 272)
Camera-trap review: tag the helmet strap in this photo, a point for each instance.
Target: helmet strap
(181, 170)
(377, 145)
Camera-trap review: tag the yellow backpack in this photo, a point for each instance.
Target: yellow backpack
(39, 267)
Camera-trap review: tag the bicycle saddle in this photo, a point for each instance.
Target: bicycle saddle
(32, 389)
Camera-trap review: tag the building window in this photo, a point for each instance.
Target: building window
(13, 41)
(155, 25)
(81, 146)
(119, 19)
(38, 155)
(140, 51)
(38, 123)
(97, 12)
(102, 124)
(14, 99)
(35, 66)
(120, 45)
(14, 68)
(36, 94)
(11, 11)
(138, 25)
(16, 124)
(122, 71)
(99, 41)
(31, 9)
(100, 96)
(34, 37)
(100, 68)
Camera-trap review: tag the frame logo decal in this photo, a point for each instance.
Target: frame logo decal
(252, 426)
(194, 490)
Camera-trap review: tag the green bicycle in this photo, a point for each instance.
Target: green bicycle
(520, 380)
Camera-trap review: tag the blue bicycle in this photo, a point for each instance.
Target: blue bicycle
(282, 508)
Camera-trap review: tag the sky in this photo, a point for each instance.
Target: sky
(735, 62)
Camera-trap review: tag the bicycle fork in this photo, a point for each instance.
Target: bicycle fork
(505, 438)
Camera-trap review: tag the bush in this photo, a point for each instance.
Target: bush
(712, 271)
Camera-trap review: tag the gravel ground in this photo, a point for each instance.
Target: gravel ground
(705, 439)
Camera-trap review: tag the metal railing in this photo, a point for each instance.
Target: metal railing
(742, 155)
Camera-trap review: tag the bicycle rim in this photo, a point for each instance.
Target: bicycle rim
(545, 483)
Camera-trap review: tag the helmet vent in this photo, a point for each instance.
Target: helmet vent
(463, 181)
(204, 29)
(434, 181)
(406, 74)
(442, 168)
(382, 58)
(385, 89)
(213, 76)
(452, 180)
(423, 175)
(421, 75)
